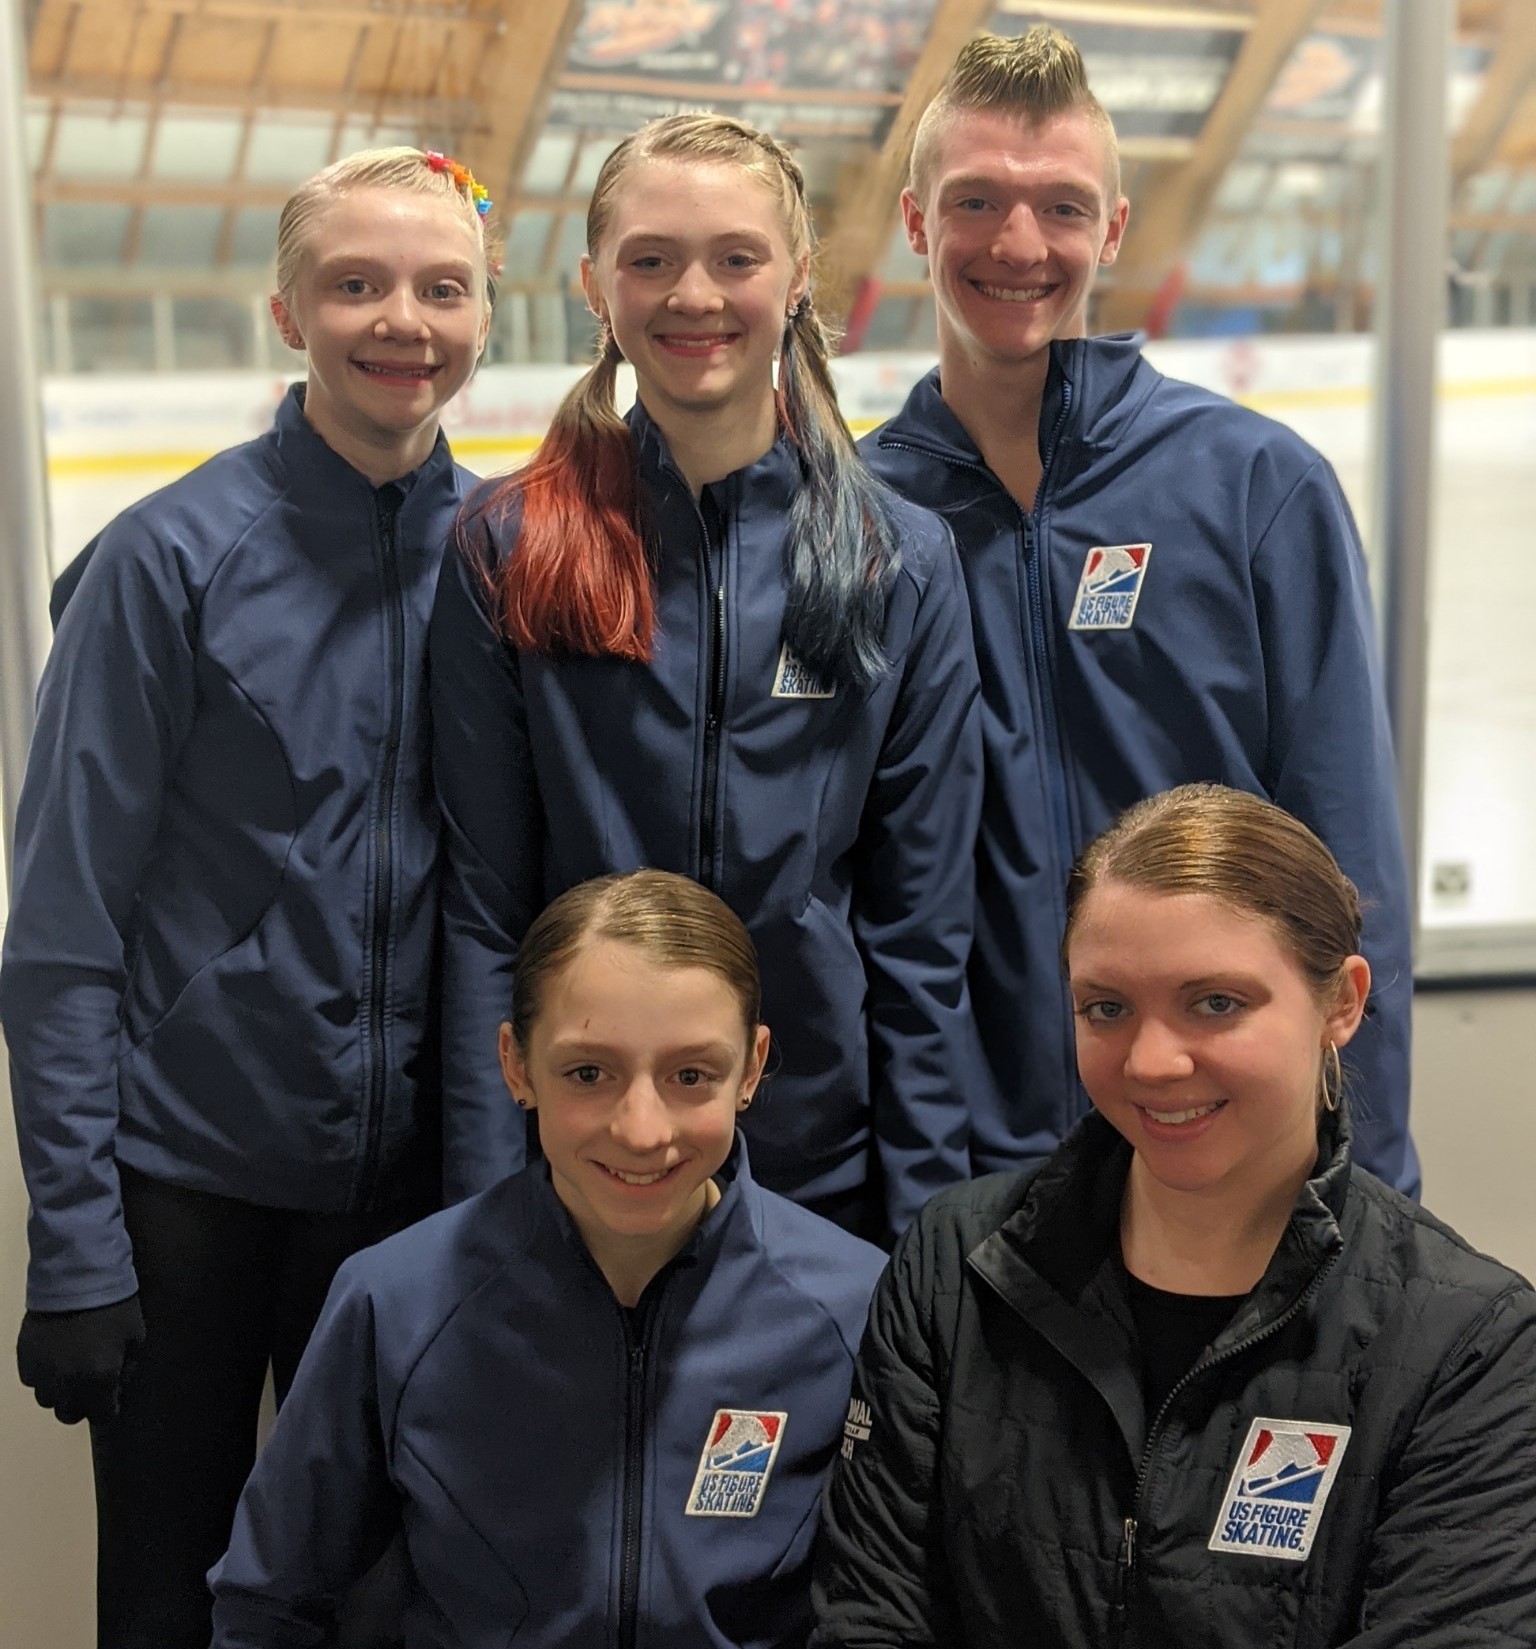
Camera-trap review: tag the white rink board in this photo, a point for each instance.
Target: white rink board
(113, 439)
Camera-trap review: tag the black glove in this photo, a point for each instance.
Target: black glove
(76, 1361)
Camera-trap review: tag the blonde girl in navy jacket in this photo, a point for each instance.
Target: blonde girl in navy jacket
(703, 638)
(216, 987)
(599, 1399)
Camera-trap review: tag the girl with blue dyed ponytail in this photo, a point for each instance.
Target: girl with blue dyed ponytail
(701, 637)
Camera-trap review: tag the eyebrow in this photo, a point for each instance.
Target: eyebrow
(574, 1048)
(1234, 981)
(654, 237)
(368, 260)
(973, 182)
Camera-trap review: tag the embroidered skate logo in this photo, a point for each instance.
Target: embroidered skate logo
(1110, 587)
(792, 680)
(1279, 1487)
(856, 1427)
(738, 1456)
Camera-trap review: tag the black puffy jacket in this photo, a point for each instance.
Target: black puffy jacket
(1352, 1461)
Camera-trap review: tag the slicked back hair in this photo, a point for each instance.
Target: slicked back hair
(672, 921)
(579, 579)
(1029, 78)
(399, 167)
(1242, 851)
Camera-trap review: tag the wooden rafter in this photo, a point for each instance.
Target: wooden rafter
(869, 193)
(523, 58)
(1511, 75)
(556, 232)
(134, 234)
(403, 107)
(348, 88)
(1166, 219)
(224, 246)
(359, 12)
(238, 195)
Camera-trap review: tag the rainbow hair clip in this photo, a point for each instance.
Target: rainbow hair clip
(463, 178)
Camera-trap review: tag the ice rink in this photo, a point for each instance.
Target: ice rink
(111, 440)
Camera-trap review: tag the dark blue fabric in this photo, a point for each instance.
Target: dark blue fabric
(1251, 660)
(218, 961)
(845, 827)
(472, 1379)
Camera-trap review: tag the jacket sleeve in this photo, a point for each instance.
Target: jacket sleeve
(914, 902)
(881, 1580)
(1330, 763)
(492, 874)
(1452, 1563)
(319, 1509)
(114, 708)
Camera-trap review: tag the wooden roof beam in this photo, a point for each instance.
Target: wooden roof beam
(361, 12)
(1511, 74)
(153, 191)
(867, 207)
(523, 58)
(405, 108)
(1165, 221)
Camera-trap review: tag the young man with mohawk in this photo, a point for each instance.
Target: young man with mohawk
(1164, 586)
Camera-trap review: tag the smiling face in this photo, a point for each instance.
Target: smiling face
(389, 305)
(1016, 221)
(637, 1072)
(695, 275)
(1201, 1040)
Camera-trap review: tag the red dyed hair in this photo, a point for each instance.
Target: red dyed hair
(580, 580)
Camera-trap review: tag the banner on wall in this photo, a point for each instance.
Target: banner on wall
(758, 58)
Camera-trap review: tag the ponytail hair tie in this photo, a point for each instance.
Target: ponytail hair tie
(462, 177)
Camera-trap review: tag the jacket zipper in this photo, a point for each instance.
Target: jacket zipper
(714, 575)
(1056, 776)
(636, 1349)
(1036, 585)
(1126, 1566)
(387, 501)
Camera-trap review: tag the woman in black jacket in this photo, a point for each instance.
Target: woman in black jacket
(1199, 1381)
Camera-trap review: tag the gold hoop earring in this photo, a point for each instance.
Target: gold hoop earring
(1333, 1078)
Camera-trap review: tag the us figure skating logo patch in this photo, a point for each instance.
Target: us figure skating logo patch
(792, 680)
(1110, 587)
(734, 1467)
(1279, 1487)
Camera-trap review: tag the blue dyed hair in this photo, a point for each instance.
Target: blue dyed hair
(842, 551)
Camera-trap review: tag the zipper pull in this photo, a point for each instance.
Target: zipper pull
(1127, 1560)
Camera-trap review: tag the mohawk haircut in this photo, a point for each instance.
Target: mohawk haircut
(1028, 77)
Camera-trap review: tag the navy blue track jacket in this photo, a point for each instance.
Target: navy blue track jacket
(566, 1473)
(218, 962)
(840, 826)
(1242, 652)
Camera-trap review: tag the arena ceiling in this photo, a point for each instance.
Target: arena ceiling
(165, 134)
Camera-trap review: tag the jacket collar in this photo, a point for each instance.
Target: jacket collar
(773, 479)
(1055, 1261)
(1093, 387)
(732, 1221)
(308, 462)
(1069, 1220)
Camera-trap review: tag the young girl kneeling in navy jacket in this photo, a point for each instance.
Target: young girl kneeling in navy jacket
(599, 1398)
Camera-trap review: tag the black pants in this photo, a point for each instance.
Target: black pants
(227, 1289)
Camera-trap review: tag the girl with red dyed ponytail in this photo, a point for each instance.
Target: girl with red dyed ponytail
(702, 637)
